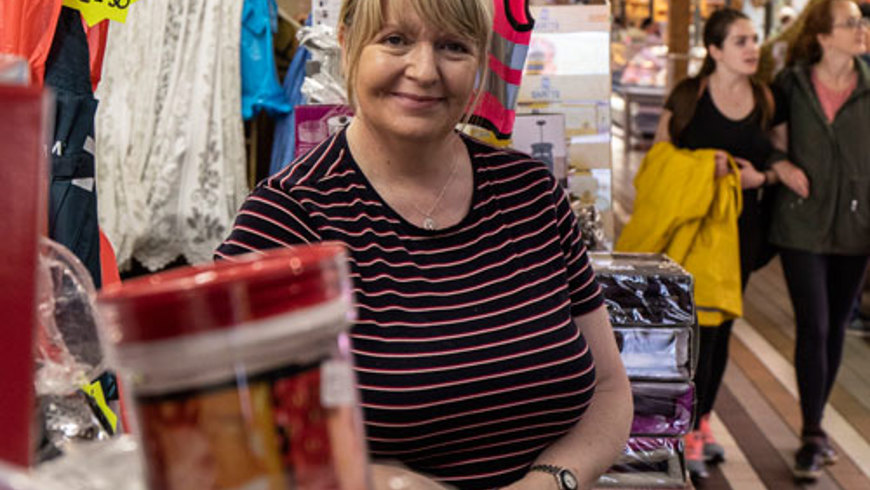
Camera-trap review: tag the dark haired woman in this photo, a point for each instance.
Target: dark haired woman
(821, 222)
(724, 109)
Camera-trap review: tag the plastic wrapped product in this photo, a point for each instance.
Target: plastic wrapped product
(648, 462)
(645, 289)
(115, 464)
(239, 372)
(661, 354)
(324, 83)
(68, 352)
(591, 225)
(662, 409)
(67, 419)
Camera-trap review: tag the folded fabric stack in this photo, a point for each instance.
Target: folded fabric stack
(650, 301)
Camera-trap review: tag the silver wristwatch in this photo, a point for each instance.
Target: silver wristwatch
(565, 478)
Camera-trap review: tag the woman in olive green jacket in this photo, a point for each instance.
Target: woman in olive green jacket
(821, 221)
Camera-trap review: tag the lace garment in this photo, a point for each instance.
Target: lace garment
(170, 150)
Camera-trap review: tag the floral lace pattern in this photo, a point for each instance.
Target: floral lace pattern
(170, 149)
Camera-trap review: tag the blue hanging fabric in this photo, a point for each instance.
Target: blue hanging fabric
(285, 130)
(260, 87)
(73, 197)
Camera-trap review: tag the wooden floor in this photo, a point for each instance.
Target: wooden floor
(756, 416)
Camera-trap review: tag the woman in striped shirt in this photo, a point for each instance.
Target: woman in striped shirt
(483, 352)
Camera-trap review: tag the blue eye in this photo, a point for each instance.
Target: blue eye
(454, 47)
(394, 40)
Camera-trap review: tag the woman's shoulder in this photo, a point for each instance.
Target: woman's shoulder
(314, 169)
(484, 153)
(684, 91)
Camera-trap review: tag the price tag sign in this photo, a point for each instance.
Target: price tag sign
(94, 11)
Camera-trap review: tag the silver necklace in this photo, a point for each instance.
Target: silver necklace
(429, 222)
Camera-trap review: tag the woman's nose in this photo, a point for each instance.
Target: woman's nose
(423, 63)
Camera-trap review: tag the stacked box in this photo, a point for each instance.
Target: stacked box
(651, 304)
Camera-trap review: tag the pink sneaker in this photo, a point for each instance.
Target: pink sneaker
(694, 442)
(714, 453)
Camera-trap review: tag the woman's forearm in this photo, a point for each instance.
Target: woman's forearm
(592, 445)
(596, 441)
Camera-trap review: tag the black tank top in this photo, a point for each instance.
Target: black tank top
(746, 139)
(709, 128)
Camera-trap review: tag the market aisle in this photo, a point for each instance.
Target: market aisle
(757, 415)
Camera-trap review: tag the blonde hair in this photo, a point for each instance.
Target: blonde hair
(361, 20)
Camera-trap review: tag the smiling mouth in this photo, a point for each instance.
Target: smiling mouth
(418, 98)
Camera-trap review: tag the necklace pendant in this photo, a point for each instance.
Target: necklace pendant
(429, 224)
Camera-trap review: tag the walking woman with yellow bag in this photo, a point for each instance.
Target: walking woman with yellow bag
(717, 117)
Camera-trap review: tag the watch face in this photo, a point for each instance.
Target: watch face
(569, 482)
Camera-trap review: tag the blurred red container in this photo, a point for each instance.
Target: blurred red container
(23, 116)
(239, 372)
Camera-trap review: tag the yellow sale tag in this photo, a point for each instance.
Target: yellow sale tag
(94, 11)
(95, 391)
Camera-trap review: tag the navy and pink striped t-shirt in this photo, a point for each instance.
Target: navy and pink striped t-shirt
(468, 360)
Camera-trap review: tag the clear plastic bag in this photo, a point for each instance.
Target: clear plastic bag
(662, 354)
(645, 289)
(648, 462)
(106, 465)
(324, 83)
(68, 352)
(662, 409)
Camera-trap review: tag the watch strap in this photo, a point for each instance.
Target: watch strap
(565, 479)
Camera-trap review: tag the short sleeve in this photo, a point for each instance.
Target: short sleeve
(584, 291)
(269, 218)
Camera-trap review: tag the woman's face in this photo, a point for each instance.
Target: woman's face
(414, 81)
(847, 36)
(739, 52)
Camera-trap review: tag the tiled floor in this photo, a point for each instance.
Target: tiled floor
(756, 415)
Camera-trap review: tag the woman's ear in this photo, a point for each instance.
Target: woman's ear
(822, 39)
(342, 42)
(342, 33)
(715, 52)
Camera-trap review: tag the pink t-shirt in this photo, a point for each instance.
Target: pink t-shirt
(832, 100)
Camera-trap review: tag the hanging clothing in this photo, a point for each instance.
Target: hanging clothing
(170, 143)
(512, 33)
(97, 36)
(284, 142)
(72, 219)
(683, 211)
(260, 87)
(27, 29)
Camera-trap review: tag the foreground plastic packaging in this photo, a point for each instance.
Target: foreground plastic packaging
(115, 464)
(648, 462)
(240, 372)
(645, 289)
(68, 353)
(68, 346)
(662, 409)
(662, 354)
(650, 300)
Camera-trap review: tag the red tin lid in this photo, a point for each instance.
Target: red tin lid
(224, 294)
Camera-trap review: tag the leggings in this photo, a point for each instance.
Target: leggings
(712, 359)
(823, 289)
